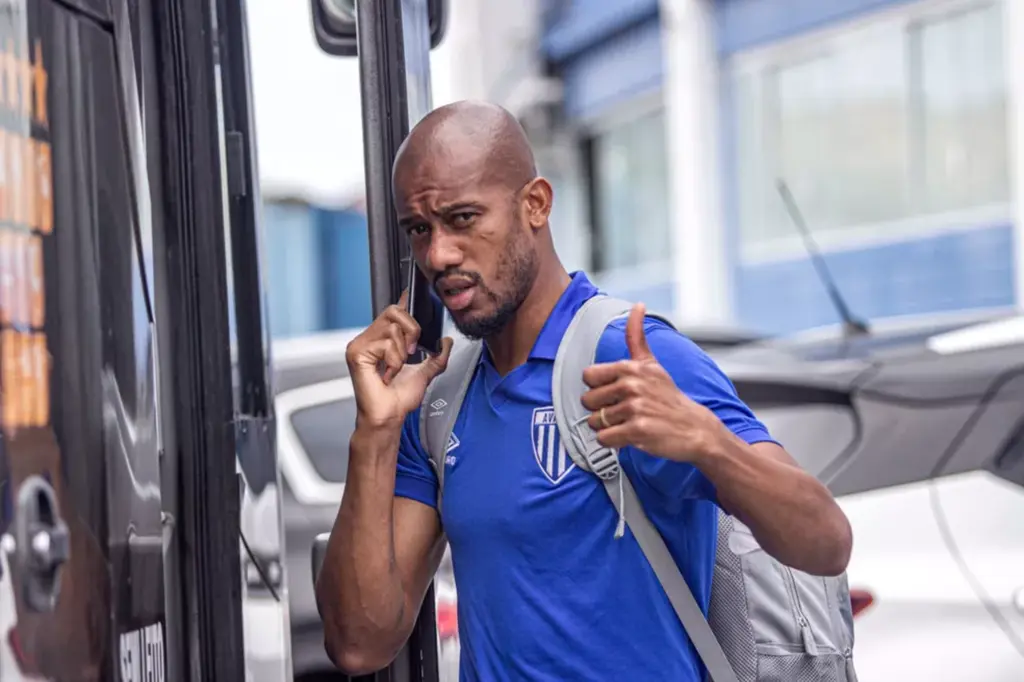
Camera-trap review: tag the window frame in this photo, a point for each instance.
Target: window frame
(590, 130)
(760, 62)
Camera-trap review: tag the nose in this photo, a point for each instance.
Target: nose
(444, 252)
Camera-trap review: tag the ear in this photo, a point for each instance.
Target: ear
(537, 199)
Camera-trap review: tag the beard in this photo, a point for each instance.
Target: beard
(516, 271)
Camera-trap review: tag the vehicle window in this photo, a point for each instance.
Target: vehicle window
(324, 431)
(814, 434)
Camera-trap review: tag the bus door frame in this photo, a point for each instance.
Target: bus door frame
(394, 56)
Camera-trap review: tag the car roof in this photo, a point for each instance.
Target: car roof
(310, 359)
(913, 391)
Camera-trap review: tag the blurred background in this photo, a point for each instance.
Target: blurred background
(665, 128)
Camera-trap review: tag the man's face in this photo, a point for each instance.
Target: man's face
(469, 238)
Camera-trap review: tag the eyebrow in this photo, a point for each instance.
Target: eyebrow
(456, 207)
(408, 221)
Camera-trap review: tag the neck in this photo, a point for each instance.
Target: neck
(511, 347)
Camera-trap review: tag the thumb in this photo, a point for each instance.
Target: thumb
(435, 364)
(636, 338)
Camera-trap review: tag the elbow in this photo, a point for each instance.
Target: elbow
(353, 656)
(354, 661)
(350, 651)
(836, 559)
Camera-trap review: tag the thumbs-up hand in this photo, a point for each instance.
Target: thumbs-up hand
(635, 402)
(636, 337)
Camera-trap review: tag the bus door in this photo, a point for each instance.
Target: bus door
(265, 612)
(392, 40)
(120, 554)
(80, 520)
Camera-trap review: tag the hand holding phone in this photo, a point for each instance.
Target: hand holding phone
(427, 309)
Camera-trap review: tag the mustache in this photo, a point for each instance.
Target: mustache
(473, 277)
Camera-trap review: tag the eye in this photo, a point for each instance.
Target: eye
(417, 230)
(463, 218)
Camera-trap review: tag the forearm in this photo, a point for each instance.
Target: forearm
(360, 593)
(791, 514)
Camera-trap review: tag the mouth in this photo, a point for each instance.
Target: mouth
(456, 296)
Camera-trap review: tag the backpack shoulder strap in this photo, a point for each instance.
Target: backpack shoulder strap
(441, 404)
(576, 352)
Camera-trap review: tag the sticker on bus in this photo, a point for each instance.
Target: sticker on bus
(142, 656)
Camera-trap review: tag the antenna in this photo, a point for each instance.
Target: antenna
(852, 326)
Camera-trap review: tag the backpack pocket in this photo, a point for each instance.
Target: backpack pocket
(790, 613)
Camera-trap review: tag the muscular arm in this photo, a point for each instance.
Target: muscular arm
(791, 514)
(692, 437)
(382, 554)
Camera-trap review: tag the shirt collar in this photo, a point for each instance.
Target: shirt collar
(579, 291)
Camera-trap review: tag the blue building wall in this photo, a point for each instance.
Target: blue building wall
(743, 24)
(606, 51)
(345, 263)
(933, 274)
(572, 27)
(293, 270)
(318, 269)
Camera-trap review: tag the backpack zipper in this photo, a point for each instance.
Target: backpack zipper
(806, 634)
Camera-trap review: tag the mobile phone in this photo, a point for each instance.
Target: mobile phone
(426, 308)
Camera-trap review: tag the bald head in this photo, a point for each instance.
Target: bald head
(479, 138)
(476, 215)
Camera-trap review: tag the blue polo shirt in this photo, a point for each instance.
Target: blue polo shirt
(545, 592)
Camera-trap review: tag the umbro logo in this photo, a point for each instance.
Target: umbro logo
(453, 443)
(438, 407)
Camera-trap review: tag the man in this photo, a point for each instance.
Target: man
(545, 592)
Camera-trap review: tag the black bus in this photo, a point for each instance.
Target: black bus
(137, 427)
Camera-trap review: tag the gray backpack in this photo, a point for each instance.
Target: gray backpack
(766, 623)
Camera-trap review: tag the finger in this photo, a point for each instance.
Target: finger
(636, 338)
(614, 415)
(403, 300)
(399, 347)
(388, 352)
(410, 328)
(435, 364)
(401, 340)
(603, 396)
(618, 436)
(605, 373)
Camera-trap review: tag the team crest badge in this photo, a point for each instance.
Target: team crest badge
(548, 450)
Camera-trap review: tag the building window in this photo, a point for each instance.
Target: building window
(887, 128)
(629, 195)
(963, 110)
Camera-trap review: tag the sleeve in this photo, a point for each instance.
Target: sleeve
(415, 478)
(700, 378)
